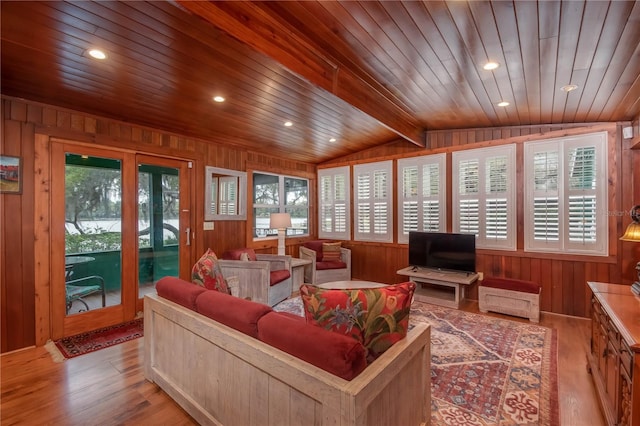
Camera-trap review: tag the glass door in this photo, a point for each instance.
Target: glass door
(164, 234)
(93, 232)
(117, 227)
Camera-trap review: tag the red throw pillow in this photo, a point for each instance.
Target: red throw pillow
(206, 273)
(377, 317)
(317, 247)
(239, 254)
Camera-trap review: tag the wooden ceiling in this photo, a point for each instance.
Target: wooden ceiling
(362, 72)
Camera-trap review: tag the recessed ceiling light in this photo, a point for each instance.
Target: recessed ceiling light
(218, 99)
(97, 54)
(568, 88)
(490, 66)
(332, 140)
(503, 104)
(288, 123)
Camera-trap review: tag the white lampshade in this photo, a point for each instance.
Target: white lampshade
(280, 221)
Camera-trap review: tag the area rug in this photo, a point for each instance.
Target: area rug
(485, 370)
(91, 341)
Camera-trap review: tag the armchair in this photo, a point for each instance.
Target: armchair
(263, 278)
(322, 268)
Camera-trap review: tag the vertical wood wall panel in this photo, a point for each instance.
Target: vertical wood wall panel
(562, 279)
(19, 262)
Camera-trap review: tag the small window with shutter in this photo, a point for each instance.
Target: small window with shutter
(484, 197)
(334, 203)
(566, 195)
(421, 189)
(373, 201)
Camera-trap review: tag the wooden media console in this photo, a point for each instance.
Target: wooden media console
(444, 288)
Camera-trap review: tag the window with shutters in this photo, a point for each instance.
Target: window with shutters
(484, 196)
(280, 194)
(334, 203)
(566, 195)
(373, 195)
(421, 191)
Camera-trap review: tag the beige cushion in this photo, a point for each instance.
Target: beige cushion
(331, 252)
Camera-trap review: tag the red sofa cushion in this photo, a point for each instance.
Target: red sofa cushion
(234, 312)
(278, 276)
(333, 352)
(179, 291)
(330, 265)
(317, 247)
(236, 254)
(376, 317)
(511, 284)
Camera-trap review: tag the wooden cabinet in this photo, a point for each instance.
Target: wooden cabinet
(615, 352)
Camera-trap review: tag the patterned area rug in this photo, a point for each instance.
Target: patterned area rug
(485, 370)
(91, 341)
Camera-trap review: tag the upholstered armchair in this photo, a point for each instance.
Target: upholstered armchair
(329, 261)
(263, 278)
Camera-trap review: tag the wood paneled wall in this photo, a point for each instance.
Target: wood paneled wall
(21, 121)
(563, 278)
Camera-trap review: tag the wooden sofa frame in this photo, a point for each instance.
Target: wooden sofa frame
(223, 377)
(253, 278)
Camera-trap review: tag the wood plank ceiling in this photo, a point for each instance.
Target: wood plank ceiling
(362, 72)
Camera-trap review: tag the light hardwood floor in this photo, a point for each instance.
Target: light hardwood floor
(107, 387)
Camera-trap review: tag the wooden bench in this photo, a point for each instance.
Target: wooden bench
(510, 296)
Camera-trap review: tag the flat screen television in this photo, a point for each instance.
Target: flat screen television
(443, 251)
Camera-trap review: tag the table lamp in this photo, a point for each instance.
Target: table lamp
(633, 234)
(280, 221)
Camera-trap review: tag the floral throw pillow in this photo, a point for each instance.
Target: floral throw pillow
(377, 317)
(207, 273)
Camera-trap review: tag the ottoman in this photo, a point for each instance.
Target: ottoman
(509, 296)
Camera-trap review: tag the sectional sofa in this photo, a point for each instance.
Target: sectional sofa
(231, 361)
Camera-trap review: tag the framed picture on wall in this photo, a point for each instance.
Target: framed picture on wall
(10, 175)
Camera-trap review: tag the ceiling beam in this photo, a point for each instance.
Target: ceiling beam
(255, 26)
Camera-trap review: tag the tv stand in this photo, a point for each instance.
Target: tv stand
(444, 288)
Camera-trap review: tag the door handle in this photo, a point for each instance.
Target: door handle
(188, 232)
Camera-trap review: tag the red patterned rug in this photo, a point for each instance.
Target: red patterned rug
(485, 370)
(91, 341)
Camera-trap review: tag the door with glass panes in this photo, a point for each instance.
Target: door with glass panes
(120, 222)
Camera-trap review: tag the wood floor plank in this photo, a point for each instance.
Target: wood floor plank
(108, 387)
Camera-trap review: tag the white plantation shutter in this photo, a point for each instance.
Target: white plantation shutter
(421, 185)
(496, 203)
(228, 187)
(545, 213)
(582, 195)
(484, 196)
(213, 205)
(469, 196)
(334, 199)
(373, 201)
(566, 185)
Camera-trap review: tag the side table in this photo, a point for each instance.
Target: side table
(297, 272)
